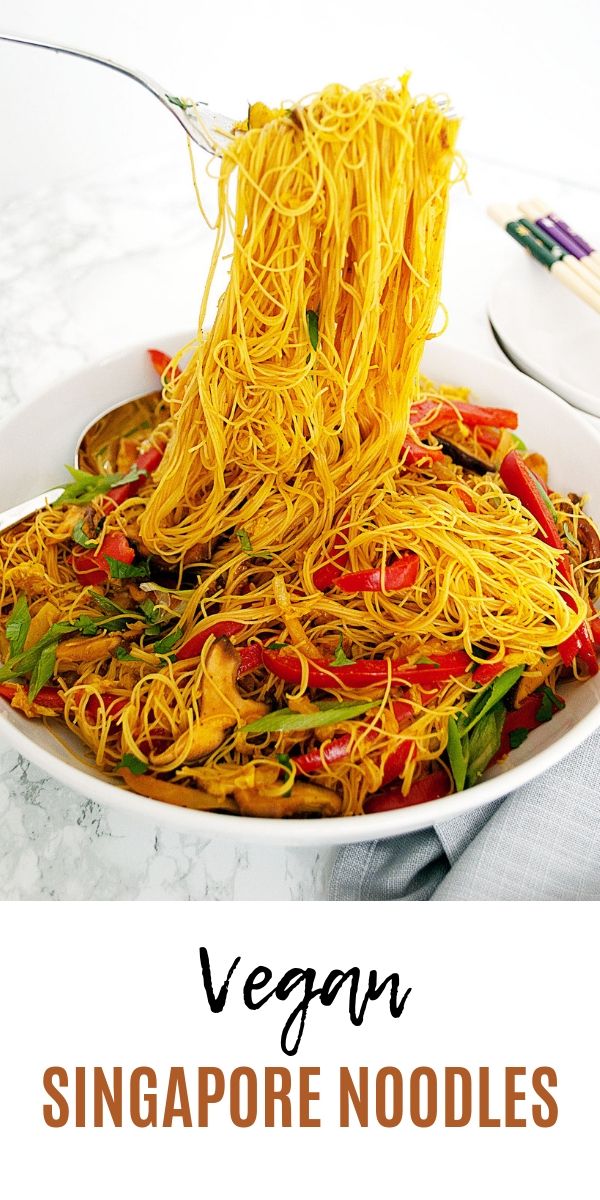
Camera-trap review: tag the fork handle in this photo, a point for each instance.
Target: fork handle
(146, 81)
(12, 516)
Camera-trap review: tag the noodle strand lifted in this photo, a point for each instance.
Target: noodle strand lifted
(316, 584)
(339, 212)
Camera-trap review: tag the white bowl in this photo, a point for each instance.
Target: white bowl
(548, 332)
(40, 437)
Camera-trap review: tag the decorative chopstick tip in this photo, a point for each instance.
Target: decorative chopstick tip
(503, 214)
(533, 209)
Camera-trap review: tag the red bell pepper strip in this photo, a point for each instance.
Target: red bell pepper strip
(403, 711)
(488, 439)
(324, 576)
(160, 361)
(432, 414)
(250, 658)
(525, 485)
(430, 787)
(193, 647)
(595, 630)
(485, 672)
(366, 672)
(48, 697)
(412, 453)
(529, 489)
(92, 568)
(339, 748)
(401, 573)
(332, 752)
(580, 644)
(113, 705)
(466, 499)
(147, 461)
(396, 761)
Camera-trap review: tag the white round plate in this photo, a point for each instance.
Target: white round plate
(548, 332)
(40, 437)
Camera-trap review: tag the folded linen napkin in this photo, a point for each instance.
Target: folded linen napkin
(541, 842)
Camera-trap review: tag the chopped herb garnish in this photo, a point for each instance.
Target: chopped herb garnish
(121, 570)
(340, 659)
(549, 705)
(557, 700)
(80, 536)
(149, 610)
(133, 764)
(123, 654)
(87, 626)
(86, 487)
(166, 643)
(424, 661)
(17, 626)
(179, 103)
(516, 738)
(312, 321)
(285, 761)
(248, 548)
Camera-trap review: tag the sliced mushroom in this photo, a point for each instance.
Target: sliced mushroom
(304, 800)
(222, 707)
(589, 541)
(463, 459)
(85, 649)
(174, 793)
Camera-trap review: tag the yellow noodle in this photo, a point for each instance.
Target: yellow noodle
(336, 208)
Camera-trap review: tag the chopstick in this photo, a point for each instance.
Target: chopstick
(549, 253)
(562, 233)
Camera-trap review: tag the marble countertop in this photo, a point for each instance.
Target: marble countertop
(86, 271)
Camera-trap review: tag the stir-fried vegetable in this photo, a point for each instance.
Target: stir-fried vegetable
(364, 673)
(530, 490)
(429, 415)
(392, 578)
(324, 713)
(474, 736)
(92, 567)
(430, 787)
(378, 737)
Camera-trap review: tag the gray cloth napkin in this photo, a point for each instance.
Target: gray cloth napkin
(541, 842)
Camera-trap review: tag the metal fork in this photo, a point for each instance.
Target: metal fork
(208, 129)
